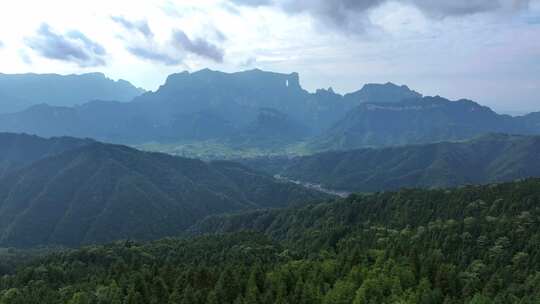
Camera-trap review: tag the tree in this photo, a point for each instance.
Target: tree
(253, 294)
(80, 298)
(134, 297)
(160, 293)
(480, 299)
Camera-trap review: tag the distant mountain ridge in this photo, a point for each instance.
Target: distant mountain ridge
(20, 91)
(382, 93)
(419, 121)
(101, 192)
(487, 159)
(218, 105)
(266, 110)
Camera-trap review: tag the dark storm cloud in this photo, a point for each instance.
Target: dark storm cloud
(456, 7)
(73, 47)
(198, 46)
(140, 26)
(345, 15)
(350, 15)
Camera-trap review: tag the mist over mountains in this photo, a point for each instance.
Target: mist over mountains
(59, 188)
(20, 91)
(365, 162)
(264, 109)
(173, 229)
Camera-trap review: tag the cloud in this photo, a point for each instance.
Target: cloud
(140, 42)
(154, 55)
(343, 15)
(347, 15)
(25, 57)
(456, 7)
(352, 15)
(72, 47)
(198, 46)
(249, 62)
(220, 36)
(253, 2)
(140, 26)
(172, 51)
(1, 44)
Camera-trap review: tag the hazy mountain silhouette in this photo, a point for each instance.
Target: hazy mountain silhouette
(202, 105)
(19, 91)
(417, 121)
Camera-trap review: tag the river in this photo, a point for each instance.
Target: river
(314, 186)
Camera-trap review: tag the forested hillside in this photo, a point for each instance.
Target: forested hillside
(418, 121)
(486, 159)
(469, 245)
(19, 150)
(101, 192)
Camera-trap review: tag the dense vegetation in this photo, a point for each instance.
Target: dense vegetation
(419, 121)
(217, 149)
(487, 159)
(20, 150)
(101, 192)
(468, 245)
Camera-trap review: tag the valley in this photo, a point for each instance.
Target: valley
(270, 152)
(246, 188)
(317, 187)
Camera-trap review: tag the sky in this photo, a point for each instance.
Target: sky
(484, 50)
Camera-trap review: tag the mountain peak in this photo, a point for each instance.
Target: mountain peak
(382, 93)
(255, 79)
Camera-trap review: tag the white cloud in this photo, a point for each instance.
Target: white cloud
(481, 56)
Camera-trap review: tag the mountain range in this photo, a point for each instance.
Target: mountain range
(486, 159)
(68, 191)
(20, 91)
(81, 191)
(205, 105)
(419, 121)
(267, 110)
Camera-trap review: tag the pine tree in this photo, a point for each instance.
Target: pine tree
(212, 298)
(80, 298)
(134, 297)
(188, 296)
(159, 291)
(175, 297)
(253, 294)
